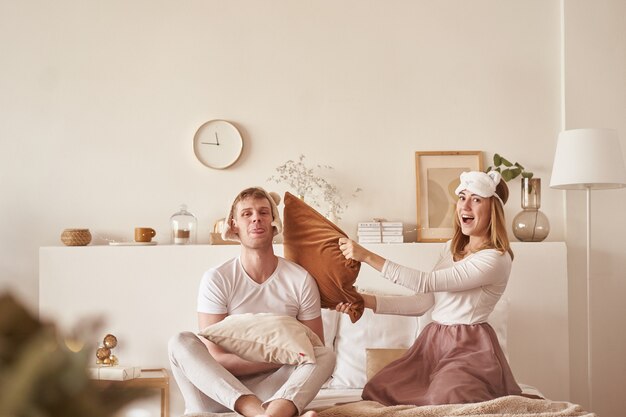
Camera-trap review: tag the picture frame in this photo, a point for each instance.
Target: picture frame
(436, 177)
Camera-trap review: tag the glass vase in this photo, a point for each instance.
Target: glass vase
(183, 225)
(531, 224)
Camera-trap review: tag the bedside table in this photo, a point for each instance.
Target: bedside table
(150, 378)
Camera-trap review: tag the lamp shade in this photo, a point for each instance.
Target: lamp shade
(588, 158)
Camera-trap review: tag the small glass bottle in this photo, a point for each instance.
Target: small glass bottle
(184, 226)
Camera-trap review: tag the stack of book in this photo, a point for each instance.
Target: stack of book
(391, 232)
(370, 232)
(380, 232)
(114, 373)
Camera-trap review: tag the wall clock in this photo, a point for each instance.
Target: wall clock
(217, 144)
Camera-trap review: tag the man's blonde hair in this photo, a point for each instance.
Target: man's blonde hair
(253, 192)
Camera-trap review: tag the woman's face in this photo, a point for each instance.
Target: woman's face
(474, 213)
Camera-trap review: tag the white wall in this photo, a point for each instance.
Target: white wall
(595, 96)
(99, 102)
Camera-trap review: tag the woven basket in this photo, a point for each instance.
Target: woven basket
(76, 237)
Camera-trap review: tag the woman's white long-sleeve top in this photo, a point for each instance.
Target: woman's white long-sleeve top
(465, 292)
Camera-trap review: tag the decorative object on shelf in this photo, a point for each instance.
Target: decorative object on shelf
(312, 188)
(76, 237)
(144, 234)
(588, 159)
(44, 375)
(218, 226)
(509, 170)
(109, 341)
(184, 226)
(115, 243)
(215, 237)
(217, 144)
(531, 224)
(104, 353)
(437, 176)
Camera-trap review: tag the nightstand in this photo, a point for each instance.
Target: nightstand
(150, 378)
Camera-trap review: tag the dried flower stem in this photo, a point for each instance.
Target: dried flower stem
(305, 182)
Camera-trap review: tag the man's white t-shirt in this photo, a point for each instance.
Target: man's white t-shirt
(289, 291)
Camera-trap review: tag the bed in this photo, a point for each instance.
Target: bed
(534, 330)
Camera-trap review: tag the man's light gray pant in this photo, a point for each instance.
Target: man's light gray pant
(208, 387)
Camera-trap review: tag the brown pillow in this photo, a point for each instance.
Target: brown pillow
(311, 241)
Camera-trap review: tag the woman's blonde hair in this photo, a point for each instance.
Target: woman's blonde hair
(498, 237)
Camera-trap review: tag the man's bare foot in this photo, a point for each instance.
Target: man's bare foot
(280, 408)
(249, 405)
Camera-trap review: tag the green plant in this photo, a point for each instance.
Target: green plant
(44, 373)
(508, 169)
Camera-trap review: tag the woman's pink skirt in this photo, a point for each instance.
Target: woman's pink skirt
(447, 364)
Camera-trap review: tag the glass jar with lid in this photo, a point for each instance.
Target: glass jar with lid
(184, 226)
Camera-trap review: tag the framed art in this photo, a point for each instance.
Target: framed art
(436, 178)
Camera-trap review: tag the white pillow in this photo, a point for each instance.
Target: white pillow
(330, 320)
(388, 331)
(265, 337)
(371, 331)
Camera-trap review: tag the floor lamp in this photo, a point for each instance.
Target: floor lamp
(588, 159)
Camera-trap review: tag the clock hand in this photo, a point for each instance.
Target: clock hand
(217, 141)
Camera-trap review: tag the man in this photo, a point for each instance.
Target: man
(214, 380)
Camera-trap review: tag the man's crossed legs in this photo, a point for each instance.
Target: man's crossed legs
(208, 387)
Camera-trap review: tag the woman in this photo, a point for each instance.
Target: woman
(456, 358)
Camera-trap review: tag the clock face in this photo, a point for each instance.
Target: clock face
(217, 144)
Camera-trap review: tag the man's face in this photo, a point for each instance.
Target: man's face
(252, 221)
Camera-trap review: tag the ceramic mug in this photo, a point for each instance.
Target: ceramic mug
(144, 234)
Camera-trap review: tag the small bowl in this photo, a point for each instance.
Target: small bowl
(76, 237)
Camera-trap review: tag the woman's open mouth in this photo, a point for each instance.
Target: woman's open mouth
(466, 218)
